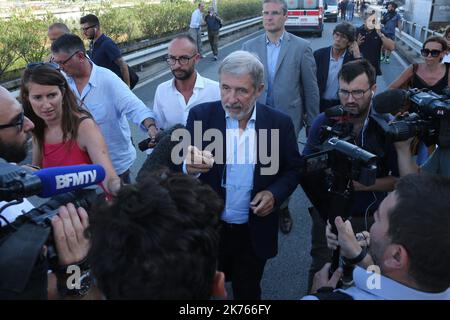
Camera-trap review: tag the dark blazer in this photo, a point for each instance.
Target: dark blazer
(322, 57)
(263, 230)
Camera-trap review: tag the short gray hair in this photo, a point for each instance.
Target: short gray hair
(282, 2)
(242, 63)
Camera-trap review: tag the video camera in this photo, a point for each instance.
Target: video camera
(341, 157)
(428, 118)
(21, 240)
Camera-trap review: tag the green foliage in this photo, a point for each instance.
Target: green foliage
(23, 38)
(30, 34)
(167, 17)
(230, 10)
(8, 54)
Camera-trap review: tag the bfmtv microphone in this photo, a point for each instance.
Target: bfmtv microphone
(17, 183)
(390, 101)
(59, 180)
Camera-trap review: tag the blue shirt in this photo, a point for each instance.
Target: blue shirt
(365, 288)
(239, 168)
(104, 53)
(111, 102)
(273, 51)
(332, 86)
(390, 21)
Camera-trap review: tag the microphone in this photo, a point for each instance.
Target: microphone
(17, 183)
(336, 111)
(59, 180)
(390, 101)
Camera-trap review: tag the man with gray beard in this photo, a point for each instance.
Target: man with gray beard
(244, 131)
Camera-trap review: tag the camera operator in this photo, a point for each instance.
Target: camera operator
(15, 131)
(409, 243)
(356, 89)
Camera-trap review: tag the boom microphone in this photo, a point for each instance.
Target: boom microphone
(390, 101)
(17, 183)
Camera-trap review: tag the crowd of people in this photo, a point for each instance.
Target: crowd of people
(188, 227)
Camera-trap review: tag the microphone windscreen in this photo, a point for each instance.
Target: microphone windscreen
(389, 101)
(58, 180)
(336, 111)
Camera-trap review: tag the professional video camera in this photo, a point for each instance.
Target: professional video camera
(428, 117)
(21, 240)
(327, 176)
(340, 157)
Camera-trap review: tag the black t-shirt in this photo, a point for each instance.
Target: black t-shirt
(104, 53)
(371, 47)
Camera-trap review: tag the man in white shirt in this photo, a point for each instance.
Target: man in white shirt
(107, 98)
(195, 27)
(175, 97)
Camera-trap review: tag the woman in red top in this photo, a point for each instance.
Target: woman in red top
(64, 134)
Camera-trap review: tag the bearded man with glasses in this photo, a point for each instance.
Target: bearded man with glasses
(356, 89)
(175, 97)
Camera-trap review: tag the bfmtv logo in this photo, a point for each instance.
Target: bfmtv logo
(75, 179)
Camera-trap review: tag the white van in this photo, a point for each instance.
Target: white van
(305, 16)
(331, 10)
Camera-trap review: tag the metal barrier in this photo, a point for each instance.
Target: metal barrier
(414, 35)
(138, 58)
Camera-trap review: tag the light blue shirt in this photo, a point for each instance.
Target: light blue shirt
(332, 87)
(273, 51)
(368, 288)
(239, 168)
(111, 102)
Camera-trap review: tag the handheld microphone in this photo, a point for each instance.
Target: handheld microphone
(336, 111)
(390, 101)
(59, 180)
(17, 183)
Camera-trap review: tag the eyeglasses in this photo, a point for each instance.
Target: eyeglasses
(33, 65)
(61, 63)
(272, 13)
(18, 121)
(87, 28)
(181, 60)
(356, 94)
(426, 52)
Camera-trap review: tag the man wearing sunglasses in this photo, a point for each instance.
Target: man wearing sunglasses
(15, 131)
(107, 98)
(175, 97)
(103, 51)
(357, 84)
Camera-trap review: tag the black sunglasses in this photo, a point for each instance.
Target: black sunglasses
(18, 121)
(33, 65)
(426, 52)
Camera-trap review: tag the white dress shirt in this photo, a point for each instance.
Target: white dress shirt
(170, 107)
(196, 19)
